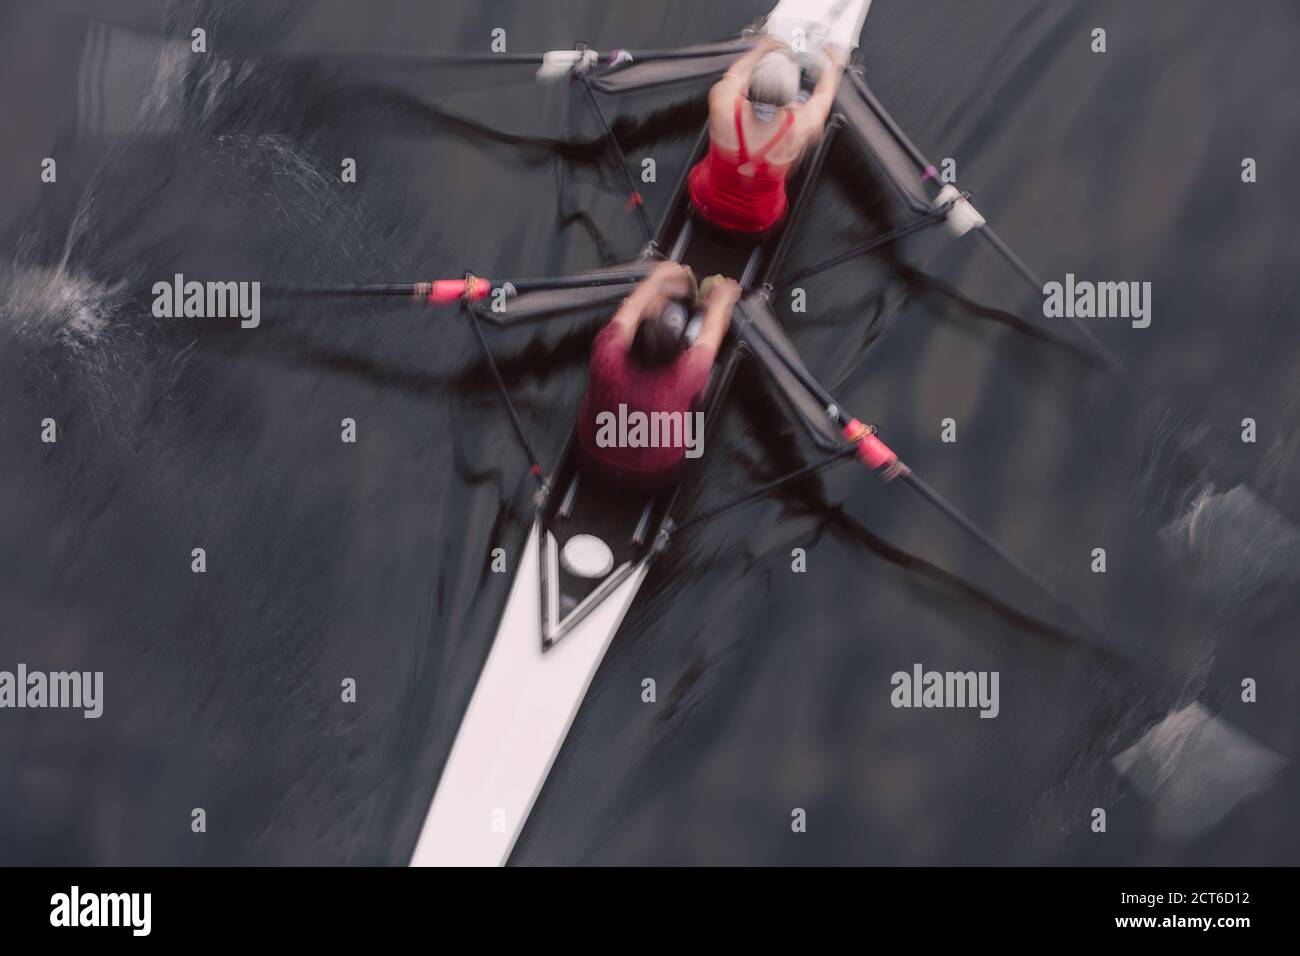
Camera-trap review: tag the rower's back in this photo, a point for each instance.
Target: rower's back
(758, 128)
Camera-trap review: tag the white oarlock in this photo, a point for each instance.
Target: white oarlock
(557, 64)
(962, 217)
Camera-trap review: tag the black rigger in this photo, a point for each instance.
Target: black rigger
(534, 466)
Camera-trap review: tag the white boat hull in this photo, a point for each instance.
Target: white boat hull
(516, 722)
(800, 22)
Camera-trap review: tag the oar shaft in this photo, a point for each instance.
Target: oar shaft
(533, 59)
(397, 290)
(954, 514)
(451, 291)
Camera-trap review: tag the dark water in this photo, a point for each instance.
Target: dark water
(329, 561)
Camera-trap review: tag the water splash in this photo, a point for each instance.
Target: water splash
(1237, 542)
(1196, 768)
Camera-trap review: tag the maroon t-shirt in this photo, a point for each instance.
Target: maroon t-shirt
(617, 378)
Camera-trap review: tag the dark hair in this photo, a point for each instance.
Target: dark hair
(658, 340)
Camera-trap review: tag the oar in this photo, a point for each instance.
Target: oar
(557, 64)
(552, 64)
(968, 218)
(882, 460)
(452, 291)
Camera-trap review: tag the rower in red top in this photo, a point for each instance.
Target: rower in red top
(638, 422)
(757, 131)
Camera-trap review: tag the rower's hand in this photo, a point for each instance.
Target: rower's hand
(672, 279)
(724, 294)
(837, 54)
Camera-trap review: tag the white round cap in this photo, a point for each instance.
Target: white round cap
(586, 556)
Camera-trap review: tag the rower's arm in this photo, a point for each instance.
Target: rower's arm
(717, 316)
(742, 69)
(812, 115)
(735, 82)
(666, 280)
(627, 318)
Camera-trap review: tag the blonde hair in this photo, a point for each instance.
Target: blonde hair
(775, 80)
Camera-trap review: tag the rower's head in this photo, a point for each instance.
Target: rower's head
(775, 80)
(661, 338)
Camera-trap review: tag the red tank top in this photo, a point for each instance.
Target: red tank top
(733, 200)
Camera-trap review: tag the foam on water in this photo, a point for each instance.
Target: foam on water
(1237, 542)
(1195, 768)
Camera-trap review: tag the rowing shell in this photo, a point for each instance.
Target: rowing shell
(586, 557)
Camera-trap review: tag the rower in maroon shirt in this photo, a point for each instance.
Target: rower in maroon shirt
(643, 361)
